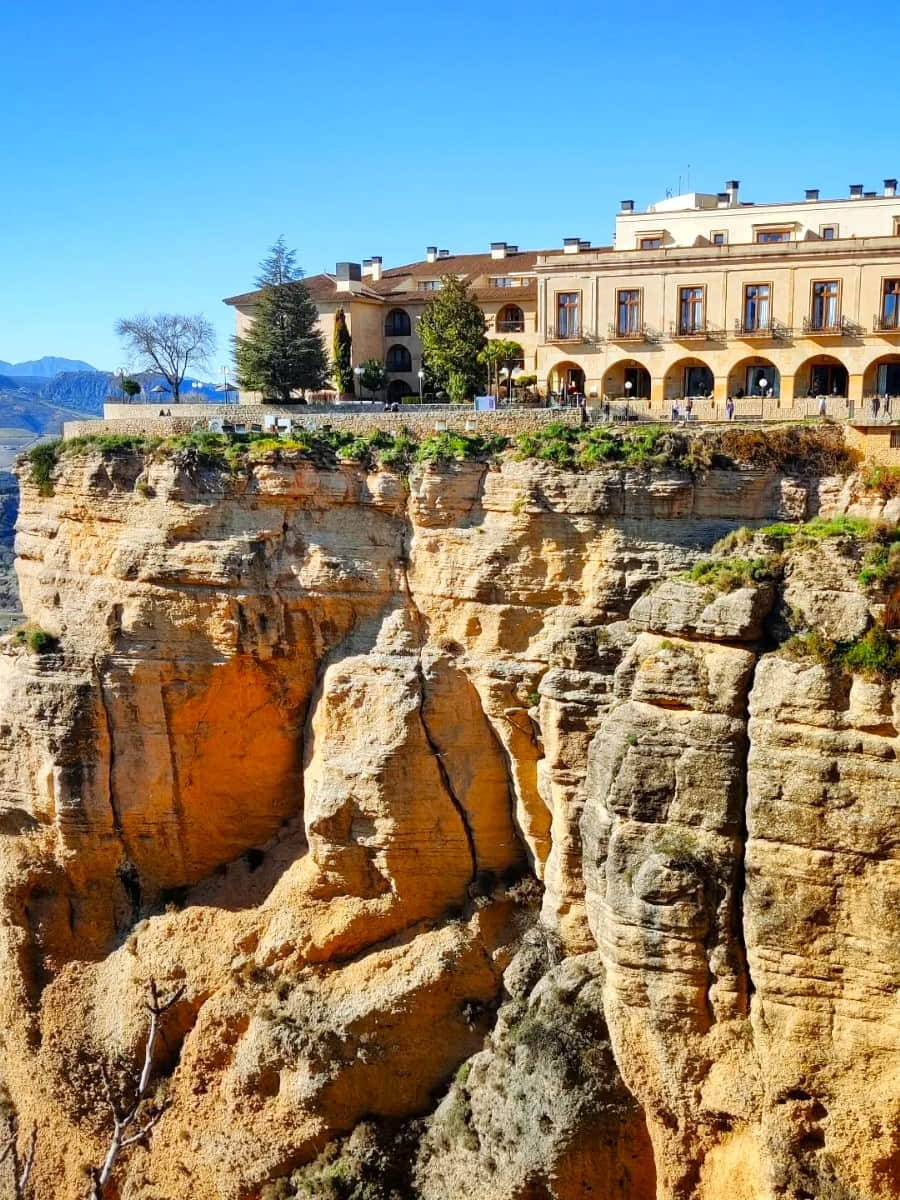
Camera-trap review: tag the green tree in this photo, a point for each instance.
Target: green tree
(283, 351)
(374, 376)
(342, 346)
(452, 334)
(500, 353)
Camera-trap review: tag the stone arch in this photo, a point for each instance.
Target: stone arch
(882, 376)
(397, 390)
(821, 375)
(688, 377)
(397, 323)
(566, 378)
(398, 359)
(747, 374)
(627, 370)
(511, 319)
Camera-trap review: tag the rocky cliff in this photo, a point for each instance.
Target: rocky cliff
(488, 849)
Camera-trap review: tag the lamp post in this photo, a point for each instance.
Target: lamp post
(514, 377)
(358, 372)
(504, 374)
(421, 375)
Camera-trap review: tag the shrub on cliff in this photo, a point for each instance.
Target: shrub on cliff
(875, 655)
(813, 449)
(42, 460)
(729, 574)
(458, 447)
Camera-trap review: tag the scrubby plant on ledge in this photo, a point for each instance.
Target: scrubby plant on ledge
(875, 655)
(729, 574)
(37, 640)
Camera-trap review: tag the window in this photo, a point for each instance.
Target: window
(826, 310)
(757, 311)
(397, 323)
(503, 281)
(429, 285)
(895, 439)
(651, 243)
(773, 235)
(628, 312)
(511, 319)
(828, 232)
(398, 359)
(890, 304)
(567, 314)
(690, 309)
(719, 238)
(896, 226)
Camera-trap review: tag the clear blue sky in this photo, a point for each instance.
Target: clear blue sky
(152, 152)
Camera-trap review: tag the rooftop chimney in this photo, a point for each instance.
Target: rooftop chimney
(430, 253)
(498, 249)
(869, 195)
(731, 187)
(512, 249)
(627, 206)
(890, 187)
(376, 268)
(584, 245)
(812, 194)
(443, 253)
(571, 245)
(348, 276)
(723, 199)
(856, 191)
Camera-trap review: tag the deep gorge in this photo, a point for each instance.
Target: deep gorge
(495, 855)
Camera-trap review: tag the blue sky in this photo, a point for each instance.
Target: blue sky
(151, 153)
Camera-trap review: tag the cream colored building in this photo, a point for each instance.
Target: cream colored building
(710, 296)
(702, 295)
(383, 307)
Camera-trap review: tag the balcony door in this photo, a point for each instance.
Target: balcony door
(628, 312)
(757, 311)
(890, 304)
(567, 323)
(826, 313)
(690, 310)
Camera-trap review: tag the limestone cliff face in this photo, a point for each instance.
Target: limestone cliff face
(391, 775)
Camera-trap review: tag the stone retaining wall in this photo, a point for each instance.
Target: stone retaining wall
(127, 419)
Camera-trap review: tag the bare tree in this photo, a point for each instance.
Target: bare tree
(134, 1122)
(21, 1168)
(168, 343)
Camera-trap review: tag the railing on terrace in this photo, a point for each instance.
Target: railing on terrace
(680, 331)
(511, 326)
(838, 327)
(762, 329)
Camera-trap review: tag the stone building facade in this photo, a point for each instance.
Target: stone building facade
(703, 295)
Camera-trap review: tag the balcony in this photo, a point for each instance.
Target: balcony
(681, 331)
(569, 336)
(633, 333)
(887, 324)
(510, 326)
(836, 328)
(763, 331)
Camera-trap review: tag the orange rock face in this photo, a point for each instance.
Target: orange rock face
(388, 780)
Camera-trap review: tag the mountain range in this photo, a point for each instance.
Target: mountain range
(43, 368)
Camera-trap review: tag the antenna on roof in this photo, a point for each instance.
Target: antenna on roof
(689, 177)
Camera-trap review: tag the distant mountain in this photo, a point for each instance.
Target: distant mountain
(45, 367)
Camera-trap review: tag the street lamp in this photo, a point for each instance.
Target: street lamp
(421, 375)
(504, 374)
(358, 372)
(516, 375)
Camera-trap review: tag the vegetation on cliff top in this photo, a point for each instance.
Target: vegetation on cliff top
(876, 654)
(814, 450)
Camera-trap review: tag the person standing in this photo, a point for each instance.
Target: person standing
(823, 406)
(729, 408)
(876, 405)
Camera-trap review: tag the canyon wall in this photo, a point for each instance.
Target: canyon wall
(473, 837)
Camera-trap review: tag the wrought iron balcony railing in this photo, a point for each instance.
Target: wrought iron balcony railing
(836, 327)
(886, 323)
(761, 329)
(510, 326)
(681, 331)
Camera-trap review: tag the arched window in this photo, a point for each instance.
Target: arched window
(398, 359)
(396, 323)
(511, 319)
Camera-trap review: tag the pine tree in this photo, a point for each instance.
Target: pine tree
(283, 351)
(342, 351)
(452, 334)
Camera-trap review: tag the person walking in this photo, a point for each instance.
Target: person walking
(676, 412)
(876, 406)
(823, 406)
(688, 408)
(729, 408)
